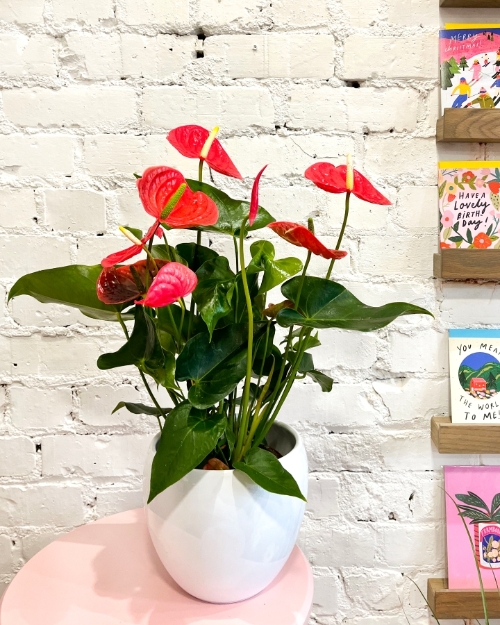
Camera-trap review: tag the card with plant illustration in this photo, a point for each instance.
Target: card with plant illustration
(475, 376)
(473, 526)
(469, 204)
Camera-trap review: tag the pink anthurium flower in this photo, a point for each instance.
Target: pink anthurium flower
(333, 179)
(116, 285)
(190, 141)
(302, 237)
(172, 282)
(166, 197)
(254, 202)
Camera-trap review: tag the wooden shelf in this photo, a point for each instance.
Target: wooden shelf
(459, 604)
(471, 4)
(469, 125)
(467, 264)
(465, 438)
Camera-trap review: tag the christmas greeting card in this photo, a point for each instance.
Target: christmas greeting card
(469, 204)
(475, 376)
(470, 65)
(473, 493)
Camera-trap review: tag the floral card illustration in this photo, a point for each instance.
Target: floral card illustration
(475, 376)
(472, 505)
(469, 204)
(470, 66)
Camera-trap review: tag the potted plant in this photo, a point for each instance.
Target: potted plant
(225, 482)
(486, 522)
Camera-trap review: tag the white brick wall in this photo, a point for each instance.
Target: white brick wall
(88, 91)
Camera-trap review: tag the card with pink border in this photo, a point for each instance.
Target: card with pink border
(476, 491)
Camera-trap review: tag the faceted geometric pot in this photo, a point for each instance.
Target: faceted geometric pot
(221, 537)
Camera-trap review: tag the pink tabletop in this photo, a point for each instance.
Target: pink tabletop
(107, 573)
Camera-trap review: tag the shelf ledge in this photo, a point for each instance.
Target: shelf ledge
(469, 125)
(465, 438)
(459, 264)
(460, 604)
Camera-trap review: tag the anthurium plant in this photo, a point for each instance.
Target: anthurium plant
(203, 328)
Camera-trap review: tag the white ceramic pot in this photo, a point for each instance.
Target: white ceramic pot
(220, 536)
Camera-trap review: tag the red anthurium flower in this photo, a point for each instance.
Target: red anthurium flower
(189, 141)
(302, 237)
(172, 282)
(166, 196)
(116, 285)
(254, 202)
(333, 179)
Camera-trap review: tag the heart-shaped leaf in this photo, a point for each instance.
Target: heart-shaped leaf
(215, 367)
(231, 212)
(266, 471)
(275, 271)
(214, 292)
(188, 436)
(327, 304)
(73, 286)
(195, 255)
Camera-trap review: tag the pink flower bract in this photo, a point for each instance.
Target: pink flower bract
(254, 202)
(189, 141)
(172, 282)
(333, 179)
(302, 237)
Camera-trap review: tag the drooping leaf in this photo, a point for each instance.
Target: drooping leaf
(327, 304)
(275, 271)
(266, 471)
(231, 212)
(73, 286)
(141, 409)
(215, 367)
(325, 381)
(188, 436)
(214, 292)
(195, 255)
(471, 499)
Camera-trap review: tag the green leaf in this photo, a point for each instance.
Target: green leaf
(476, 516)
(266, 471)
(137, 349)
(306, 362)
(161, 252)
(231, 212)
(165, 324)
(214, 291)
(310, 342)
(135, 231)
(215, 367)
(141, 409)
(195, 255)
(471, 499)
(456, 239)
(188, 436)
(73, 286)
(327, 304)
(322, 379)
(495, 503)
(275, 271)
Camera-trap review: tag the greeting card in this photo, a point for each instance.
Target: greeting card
(469, 204)
(470, 65)
(475, 376)
(472, 516)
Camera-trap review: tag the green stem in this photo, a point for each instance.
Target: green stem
(341, 235)
(200, 170)
(243, 425)
(302, 279)
(153, 399)
(122, 323)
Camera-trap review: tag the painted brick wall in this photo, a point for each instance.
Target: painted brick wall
(88, 91)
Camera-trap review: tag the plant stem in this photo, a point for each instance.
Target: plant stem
(153, 399)
(236, 254)
(200, 170)
(341, 235)
(122, 323)
(243, 425)
(302, 279)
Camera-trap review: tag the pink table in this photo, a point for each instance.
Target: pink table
(107, 573)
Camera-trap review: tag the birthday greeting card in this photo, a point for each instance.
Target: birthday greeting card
(475, 376)
(469, 204)
(470, 66)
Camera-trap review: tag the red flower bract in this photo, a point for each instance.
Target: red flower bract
(157, 187)
(254, 202)
(333, 179)
(172, 282)
(302, 237)
(189, 141)
(116, 285)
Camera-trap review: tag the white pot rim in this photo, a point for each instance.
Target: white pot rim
(229, 472)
